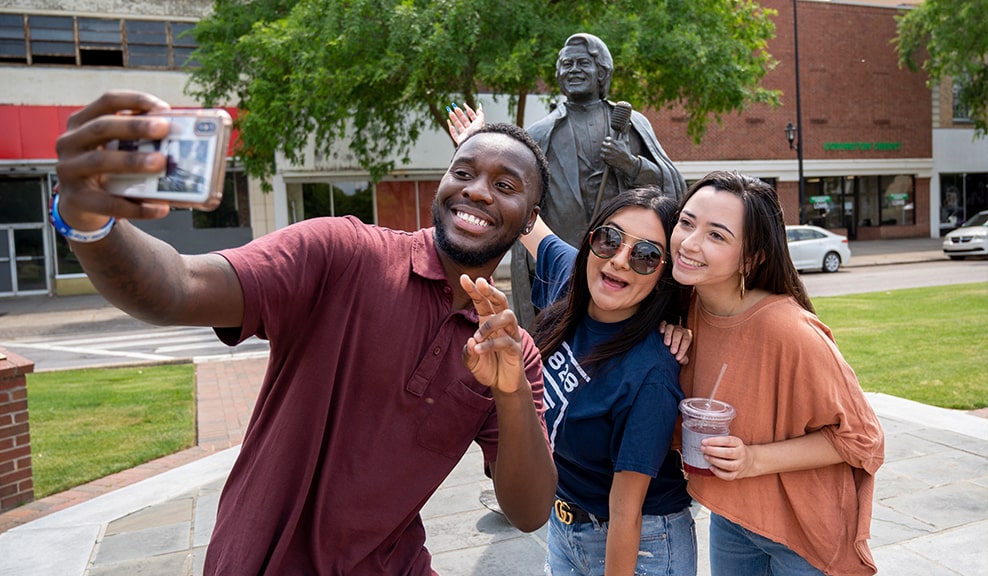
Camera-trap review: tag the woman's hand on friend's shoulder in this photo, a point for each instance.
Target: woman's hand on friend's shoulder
(678, 339)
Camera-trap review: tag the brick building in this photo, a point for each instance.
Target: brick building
(866, 126)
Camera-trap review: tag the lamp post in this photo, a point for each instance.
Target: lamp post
(796, 133)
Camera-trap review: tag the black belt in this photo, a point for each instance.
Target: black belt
(568, 513)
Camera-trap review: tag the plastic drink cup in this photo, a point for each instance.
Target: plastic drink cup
(702, 418)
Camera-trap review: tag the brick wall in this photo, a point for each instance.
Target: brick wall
(851, 87)
(16, 486)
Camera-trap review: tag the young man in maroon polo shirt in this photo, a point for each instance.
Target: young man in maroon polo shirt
(390, 353)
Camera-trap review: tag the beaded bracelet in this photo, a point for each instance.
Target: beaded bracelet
(76, 235)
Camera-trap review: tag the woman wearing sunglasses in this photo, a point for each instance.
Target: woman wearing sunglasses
(612, 391)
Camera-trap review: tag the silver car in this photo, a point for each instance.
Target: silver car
(815, 248)
(971, 239)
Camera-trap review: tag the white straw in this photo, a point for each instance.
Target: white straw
(717, 383)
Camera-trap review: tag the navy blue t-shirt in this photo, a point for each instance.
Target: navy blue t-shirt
(617, 416)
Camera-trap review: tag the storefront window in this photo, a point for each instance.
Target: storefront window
(66, 263)
(234, 209)
(951, 201)
(880, 200)
(961, 196)
(830, 202)
(868, 206)
(337, 199)
(898, 207)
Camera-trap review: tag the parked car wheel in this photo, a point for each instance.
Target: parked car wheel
(831, 262)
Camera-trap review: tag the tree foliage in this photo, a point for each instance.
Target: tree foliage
(949, 39)
(358, 71)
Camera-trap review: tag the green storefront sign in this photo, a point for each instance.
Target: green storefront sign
(897, 199)
(862, 145)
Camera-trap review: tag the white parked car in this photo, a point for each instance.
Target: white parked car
(971, 239)
(814, 248)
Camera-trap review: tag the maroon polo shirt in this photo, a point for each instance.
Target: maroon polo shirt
(365, 408)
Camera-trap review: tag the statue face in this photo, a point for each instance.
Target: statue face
(577, 74)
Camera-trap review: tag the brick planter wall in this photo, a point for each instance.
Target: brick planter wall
(16, 486)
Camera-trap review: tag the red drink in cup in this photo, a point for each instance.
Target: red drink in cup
(702, 418)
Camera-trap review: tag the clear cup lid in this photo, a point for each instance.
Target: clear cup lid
(706, 409)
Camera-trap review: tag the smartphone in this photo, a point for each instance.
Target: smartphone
(196, 148)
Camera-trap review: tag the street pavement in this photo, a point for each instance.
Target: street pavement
(930, 516)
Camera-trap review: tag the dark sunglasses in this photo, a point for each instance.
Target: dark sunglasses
(645, 257)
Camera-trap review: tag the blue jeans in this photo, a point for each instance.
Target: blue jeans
(737, 551)
(668, 546)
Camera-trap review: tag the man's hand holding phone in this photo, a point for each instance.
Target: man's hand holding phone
(90, 163)
(195, 160)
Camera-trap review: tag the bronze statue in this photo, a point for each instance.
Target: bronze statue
(595, 148)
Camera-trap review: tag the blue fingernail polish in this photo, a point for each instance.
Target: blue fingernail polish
(448, 110)
(454, 105)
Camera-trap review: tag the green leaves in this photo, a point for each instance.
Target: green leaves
(363, 74)
(949, 39)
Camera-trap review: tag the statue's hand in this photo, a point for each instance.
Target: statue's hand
(617, 154)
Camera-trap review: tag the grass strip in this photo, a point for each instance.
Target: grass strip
(924, 344)
(90, 423)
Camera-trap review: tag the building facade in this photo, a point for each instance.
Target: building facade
(882, 155)
(55, 57)
(865, 126)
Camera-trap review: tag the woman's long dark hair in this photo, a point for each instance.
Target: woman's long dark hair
(559, 320)
(766, 263)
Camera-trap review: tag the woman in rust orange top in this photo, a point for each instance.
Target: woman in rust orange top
(792, 485)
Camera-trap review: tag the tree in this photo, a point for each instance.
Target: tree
(356, 71)
(949, 39)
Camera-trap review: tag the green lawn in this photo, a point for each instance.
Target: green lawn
(87, 424)
(925, 344)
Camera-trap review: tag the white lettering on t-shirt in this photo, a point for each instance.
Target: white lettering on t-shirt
(562, 374)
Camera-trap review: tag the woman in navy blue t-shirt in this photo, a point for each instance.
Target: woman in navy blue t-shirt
(611, 386)
(612, 392)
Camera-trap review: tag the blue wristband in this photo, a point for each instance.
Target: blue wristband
(76, 235)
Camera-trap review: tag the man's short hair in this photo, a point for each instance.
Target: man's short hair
(522, 136)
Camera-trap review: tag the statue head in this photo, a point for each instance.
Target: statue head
(601, 56)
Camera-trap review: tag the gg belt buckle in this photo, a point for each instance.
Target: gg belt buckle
(562, 512)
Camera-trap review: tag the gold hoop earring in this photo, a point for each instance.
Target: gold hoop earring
(742, 286)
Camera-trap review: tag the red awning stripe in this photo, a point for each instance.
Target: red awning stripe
(29, 132)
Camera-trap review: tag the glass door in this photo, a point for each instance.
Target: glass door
(29, 256)
(24, 268)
